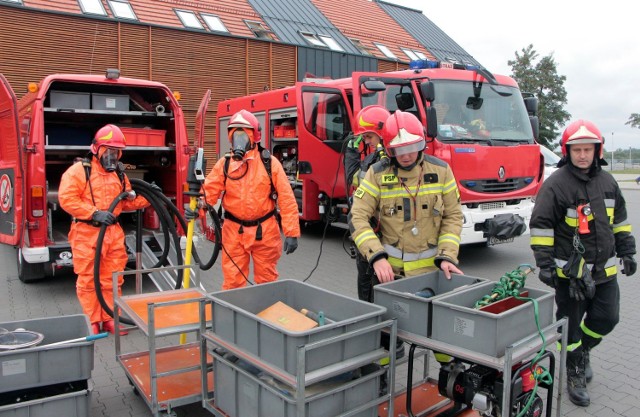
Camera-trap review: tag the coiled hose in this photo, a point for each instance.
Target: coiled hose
(167, 212)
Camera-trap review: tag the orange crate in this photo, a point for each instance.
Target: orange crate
(144, 137)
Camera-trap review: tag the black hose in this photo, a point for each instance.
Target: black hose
(167, 212)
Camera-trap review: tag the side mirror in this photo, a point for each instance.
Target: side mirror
(404, 101)
(535, 126)
(432, 123)
(428, 91)
(531, 104)
(474, 102)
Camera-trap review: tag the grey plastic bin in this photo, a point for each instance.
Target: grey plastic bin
(413, 313)
(38, 366)
(239, 394)
(235, 320)
(76, 403)
(456, 322)
(116, 102)
(69, 100)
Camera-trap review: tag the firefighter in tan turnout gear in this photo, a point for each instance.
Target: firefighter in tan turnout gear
(417, 200)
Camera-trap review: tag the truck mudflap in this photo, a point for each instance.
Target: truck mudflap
(503, 227)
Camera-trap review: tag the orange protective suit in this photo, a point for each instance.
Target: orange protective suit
(75, 198)
(247, 198)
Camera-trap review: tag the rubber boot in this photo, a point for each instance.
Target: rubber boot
(109, 326)
(95, 328)
(588, 372)
(576, 379)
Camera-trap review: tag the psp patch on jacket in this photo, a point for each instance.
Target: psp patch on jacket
(359, 193)
(389, 179)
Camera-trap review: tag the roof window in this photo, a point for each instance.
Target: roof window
(122, 10)
(360, 46)
(259, 30)
(92, 7)
(214, 22)
(331, 43)
(189, 19)
(386, 51)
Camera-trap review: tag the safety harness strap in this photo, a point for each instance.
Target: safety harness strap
(250, 223)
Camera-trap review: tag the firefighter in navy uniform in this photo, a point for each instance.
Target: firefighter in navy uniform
(368, 129)
(578, 227)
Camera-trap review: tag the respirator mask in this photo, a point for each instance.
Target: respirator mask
(109, 159)
(241, 143)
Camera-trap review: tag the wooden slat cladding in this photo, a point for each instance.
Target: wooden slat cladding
(386, 66)
(36, 44)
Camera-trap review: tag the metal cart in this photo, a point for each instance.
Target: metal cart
(169, 376)
(519, 351)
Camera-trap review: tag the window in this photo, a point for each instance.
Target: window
(13, 1)
(122, 10)
(331, 43)
(92, 7)
(312, 39)
(325, 115)
(259, 30)
(189, 19)
(420, 55)
(363, 49)
(214, 22)
(412, 55)
(386, 51)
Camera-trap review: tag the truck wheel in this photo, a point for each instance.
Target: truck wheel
(28, 272)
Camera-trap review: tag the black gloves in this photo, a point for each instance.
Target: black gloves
(548, 277)
(584, 288)
(629, 265)
(104, 217)
(190, 214)
(290, 244)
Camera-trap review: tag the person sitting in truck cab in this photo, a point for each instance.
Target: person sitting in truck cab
(87, 189)
(256, 194)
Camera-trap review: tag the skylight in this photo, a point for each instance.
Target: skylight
(312, 39)
(189, 19)
(92, 7)
(331, 43)
(214, 22)
(386, 51)
(122, 10)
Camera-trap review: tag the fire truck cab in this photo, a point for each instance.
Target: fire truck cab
(478, 123)
(52, 126)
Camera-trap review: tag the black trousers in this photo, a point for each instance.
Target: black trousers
(366, 279)
(600, 314)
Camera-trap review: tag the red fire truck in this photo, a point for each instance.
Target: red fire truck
(477, 122)
(51, 126)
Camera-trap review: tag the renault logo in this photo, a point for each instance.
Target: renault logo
(501, 173)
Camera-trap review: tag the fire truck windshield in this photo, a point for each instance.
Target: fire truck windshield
(489, 114)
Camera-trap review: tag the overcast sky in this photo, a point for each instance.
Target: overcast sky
(595, 45)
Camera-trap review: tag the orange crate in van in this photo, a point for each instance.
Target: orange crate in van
(143, 137)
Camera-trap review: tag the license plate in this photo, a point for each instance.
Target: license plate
(495, 241)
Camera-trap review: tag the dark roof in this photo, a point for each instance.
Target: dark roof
(287, 18)
(427, 33)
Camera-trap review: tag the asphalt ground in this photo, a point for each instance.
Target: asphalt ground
(614, 390)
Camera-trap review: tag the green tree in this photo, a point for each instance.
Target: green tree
(541, 78)
(634, 120)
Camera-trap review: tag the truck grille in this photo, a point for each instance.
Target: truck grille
(494, 205)
(494, 186)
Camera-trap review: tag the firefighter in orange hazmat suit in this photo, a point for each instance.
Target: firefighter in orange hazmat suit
(251, 214)
(86, 191)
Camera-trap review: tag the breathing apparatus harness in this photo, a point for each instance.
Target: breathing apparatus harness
(265, 157)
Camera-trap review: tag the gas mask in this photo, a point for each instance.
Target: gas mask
(241, 142)
(109, 159)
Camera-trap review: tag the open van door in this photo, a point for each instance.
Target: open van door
(11, 171)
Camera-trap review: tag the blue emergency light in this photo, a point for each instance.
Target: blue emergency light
(427, 64)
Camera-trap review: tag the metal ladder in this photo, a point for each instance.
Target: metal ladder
(163, 280)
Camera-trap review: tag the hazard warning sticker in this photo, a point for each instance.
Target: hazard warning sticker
(6, 194)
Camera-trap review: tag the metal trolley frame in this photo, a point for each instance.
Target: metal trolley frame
(169, 376)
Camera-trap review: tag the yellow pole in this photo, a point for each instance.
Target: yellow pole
(186, 277)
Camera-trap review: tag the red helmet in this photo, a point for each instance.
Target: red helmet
(371, 119)
(245, 120)
(582, 131)
(403, 133)
(108, 135)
